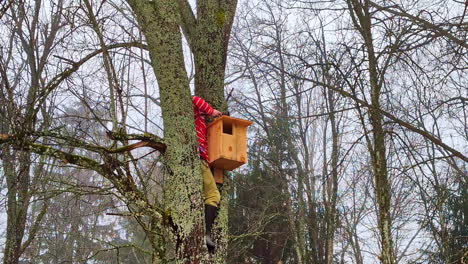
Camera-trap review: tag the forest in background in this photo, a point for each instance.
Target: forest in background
(357, 154)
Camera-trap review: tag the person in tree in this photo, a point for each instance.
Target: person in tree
(210, 192)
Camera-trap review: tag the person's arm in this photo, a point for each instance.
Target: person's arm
(204, 107)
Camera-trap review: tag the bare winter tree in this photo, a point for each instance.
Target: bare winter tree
(26, 46)
(388, 67)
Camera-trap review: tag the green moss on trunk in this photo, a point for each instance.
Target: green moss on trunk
(182, 193)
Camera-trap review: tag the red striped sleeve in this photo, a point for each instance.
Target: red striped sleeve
(202, 106)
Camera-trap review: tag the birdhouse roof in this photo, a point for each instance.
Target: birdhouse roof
(233, 120)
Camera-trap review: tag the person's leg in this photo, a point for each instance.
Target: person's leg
(210, 191)
(212, 199)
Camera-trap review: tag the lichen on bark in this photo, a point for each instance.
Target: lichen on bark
(182, 189)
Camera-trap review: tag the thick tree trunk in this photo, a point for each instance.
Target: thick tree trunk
(209, 46)
(160, 24)
(208, 37)
(209, 40)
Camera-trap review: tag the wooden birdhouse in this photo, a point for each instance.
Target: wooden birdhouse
(227, 142)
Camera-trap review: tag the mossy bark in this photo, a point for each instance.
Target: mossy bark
(182, 195)
(208, 36)
(214, 23)
(210, 52)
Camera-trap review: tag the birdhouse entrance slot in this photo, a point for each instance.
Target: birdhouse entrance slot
(227, 128)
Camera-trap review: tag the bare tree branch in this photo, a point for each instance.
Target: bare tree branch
(396, 10)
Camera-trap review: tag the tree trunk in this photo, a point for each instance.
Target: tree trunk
(362, 20)
(208, 36)
(17, 202)
(209, 46)
(379, 161)
(182, 195)
(332, 181)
